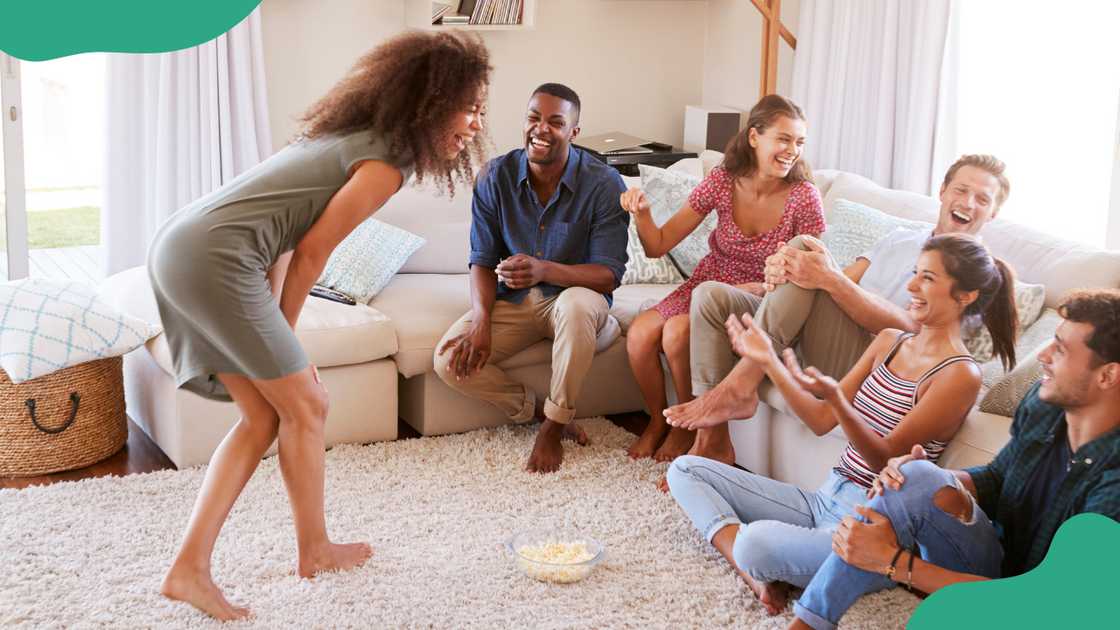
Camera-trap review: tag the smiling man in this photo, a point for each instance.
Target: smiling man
(828, 315)
(995, 520)
(548, 246)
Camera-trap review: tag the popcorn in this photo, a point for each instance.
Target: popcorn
(555, 556)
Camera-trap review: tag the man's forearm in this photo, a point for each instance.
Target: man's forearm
(598, 278)
(871, 312)
(484, 289)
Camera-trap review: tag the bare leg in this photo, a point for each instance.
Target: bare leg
(797, 624)
(674, 341)
(734, 398)
(302, 406)
(643, 345)
(773, 595)
(189, 578)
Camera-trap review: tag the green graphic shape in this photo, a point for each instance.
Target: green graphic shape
(1075, 586)
(37, 30)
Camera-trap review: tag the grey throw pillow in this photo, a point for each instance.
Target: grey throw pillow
(1008, 389)
(643, 270)
(1029, 300)
(667, 192)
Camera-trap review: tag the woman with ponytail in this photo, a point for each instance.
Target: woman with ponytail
(906, 389)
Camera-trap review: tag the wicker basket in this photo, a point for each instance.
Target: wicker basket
(67, 419)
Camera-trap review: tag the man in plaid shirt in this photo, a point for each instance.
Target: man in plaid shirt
(1063, 459)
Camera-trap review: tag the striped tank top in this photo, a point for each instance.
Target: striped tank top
(883, 400)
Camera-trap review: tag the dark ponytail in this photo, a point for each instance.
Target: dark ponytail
(1001, 318)
(974, 269)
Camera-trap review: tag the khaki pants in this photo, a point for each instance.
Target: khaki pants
(808, 321)
(570, 319)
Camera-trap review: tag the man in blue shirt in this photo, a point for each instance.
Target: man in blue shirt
(548, 246)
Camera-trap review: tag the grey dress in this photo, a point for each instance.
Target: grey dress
(209, 262)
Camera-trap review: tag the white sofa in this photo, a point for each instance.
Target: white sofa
(372, 357)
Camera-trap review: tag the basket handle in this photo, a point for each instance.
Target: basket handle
(74, 400)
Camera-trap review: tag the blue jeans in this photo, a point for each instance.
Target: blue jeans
(785, 533)
(942, 539)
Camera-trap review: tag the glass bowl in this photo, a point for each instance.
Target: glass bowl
(559, 556)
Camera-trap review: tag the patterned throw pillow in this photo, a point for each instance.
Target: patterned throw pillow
(1008, 388)
(667, 192)
(1029, 300)
(366, 260)
(48, 325)
(853, 228)
(643, 270)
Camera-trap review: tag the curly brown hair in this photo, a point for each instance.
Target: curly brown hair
(1099, 308)
(405, 91)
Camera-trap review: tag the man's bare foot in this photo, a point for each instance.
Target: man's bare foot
(676, 444)
(334, 557)
(712, 408)
(650, 439)
(548, 452)
(197, 588)
(575, 433)
(772, 595)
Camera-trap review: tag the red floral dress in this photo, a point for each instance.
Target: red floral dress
(734, 258)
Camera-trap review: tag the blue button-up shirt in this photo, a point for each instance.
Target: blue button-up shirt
(583, 222)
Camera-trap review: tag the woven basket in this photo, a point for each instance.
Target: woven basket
(67, 419)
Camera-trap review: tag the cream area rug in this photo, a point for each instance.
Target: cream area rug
(437, 511)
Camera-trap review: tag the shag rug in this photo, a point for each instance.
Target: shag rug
(437, 511)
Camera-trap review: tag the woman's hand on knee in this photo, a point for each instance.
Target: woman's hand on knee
(891, 475)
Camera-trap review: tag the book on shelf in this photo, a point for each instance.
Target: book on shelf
(456, 20)
(439, 9)
(506, 12)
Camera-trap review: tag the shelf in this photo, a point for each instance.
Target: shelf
(418, 14)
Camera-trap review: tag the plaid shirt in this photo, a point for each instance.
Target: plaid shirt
(1092, 484)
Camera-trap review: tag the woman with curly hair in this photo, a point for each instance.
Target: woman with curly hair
(231, 272)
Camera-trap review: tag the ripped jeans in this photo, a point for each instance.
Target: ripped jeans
(942, 539)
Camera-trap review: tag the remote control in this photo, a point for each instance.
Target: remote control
(332, 295)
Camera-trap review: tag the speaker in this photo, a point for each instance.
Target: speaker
(711, 127)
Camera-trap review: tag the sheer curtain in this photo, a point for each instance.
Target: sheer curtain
(180, 124)
(871, 77)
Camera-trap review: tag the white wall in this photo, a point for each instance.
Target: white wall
(634, 63)
(733, 52)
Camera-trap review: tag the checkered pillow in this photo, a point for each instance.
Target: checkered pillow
(47, 325)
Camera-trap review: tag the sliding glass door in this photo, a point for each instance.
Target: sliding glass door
(13, 198)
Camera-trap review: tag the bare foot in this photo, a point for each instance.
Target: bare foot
(651, 437)
(772, 595)
(197, 588)
(575, 433)
(334, 558)
(710, 443)
(676, 444)
(548, 452)
(712, 408)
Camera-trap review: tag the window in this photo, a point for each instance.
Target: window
(1039, 87)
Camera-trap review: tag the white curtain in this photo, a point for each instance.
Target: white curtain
(180, 124)
(876, 81)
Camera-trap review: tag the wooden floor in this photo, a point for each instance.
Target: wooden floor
(141, 454)
(82, 264)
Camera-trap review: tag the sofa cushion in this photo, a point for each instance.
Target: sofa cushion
(629, 300)
(444, 222)
(422, 307)
(1059, 264)
(667, 192)
(854, 228)
(641, 269)
(365, 261)
(900, 203)
(331, 333)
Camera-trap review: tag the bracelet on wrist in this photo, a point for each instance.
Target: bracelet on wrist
(889, 572)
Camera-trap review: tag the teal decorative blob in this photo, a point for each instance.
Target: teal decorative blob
(36, 30)
(1073, 587)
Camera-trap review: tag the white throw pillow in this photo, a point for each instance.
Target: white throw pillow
(667, 192)
(366, 260)
(48, 325)
(853, 228)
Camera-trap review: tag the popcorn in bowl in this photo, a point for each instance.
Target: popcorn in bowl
(556, 557)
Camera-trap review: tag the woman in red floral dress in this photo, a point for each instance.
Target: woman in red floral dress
(763, 197)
